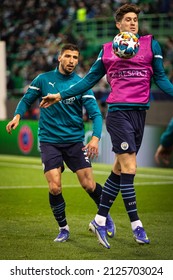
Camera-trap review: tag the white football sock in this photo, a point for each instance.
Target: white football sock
(66, 227)
(100, 220)
(136, 224)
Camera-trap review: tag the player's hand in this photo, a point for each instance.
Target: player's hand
(13, 124)
(163, 155)
(50, 99)
(92, 148)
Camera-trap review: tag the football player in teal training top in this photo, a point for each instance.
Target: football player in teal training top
(164, 151)
(61, 134)
(129, 98)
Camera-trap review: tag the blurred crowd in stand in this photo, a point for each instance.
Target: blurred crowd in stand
(33, 32)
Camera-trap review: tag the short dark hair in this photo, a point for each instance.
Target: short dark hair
(124, 9)
(69, 46)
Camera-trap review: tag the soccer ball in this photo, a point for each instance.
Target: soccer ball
(125, 45)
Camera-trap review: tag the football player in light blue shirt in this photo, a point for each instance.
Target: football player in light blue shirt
(61, 134)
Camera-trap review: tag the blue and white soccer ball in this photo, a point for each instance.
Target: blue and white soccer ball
(125, 45)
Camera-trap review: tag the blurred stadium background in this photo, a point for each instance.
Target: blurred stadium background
(32, 32)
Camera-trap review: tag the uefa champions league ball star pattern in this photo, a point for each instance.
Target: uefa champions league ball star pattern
(125, 45)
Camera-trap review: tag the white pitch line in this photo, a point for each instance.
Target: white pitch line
(36, 187)
(100, 172)
(21, 165)
(78, 186)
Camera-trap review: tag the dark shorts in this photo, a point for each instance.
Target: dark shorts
(54, 156)
(126, 130)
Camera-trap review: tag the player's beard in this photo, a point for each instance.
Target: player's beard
(68, 69)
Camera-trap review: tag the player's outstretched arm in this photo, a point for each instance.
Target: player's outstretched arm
(50, 99)
(13, 124)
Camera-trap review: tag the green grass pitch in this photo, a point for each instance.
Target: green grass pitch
(27, 226)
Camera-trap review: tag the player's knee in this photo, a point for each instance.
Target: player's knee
(88, 186)
(54, 188)
(128, 169)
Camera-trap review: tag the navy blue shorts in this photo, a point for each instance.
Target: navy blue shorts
(126, 130)
(54, 156)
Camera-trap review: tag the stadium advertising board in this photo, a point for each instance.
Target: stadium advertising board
(24, 141)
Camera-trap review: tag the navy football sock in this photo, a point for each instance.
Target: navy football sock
(129, 195)
(109, 194)
(96, 194)
(57, 205)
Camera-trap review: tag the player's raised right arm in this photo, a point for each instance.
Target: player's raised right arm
(13, 123)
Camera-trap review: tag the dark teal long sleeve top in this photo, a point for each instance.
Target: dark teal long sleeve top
(63, 121)
(166, 139)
